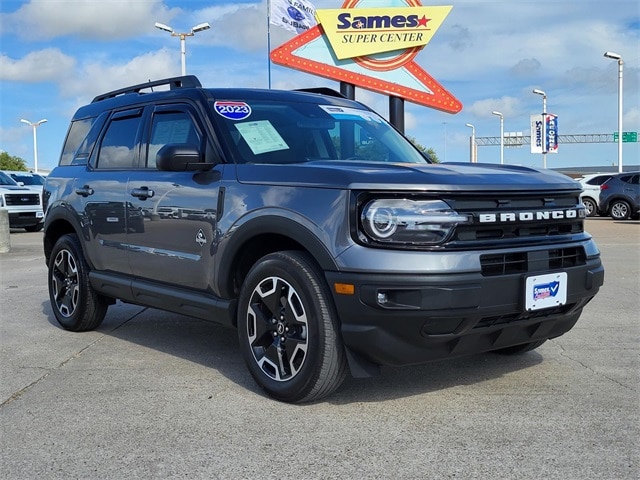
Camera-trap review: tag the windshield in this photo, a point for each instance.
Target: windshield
(28, 178)
(296, 132)
(6, 179)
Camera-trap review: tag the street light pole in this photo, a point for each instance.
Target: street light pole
(472, 153)
(183, 37)
(501, 135)
(618, 57)
(35, 140)
(537, 91)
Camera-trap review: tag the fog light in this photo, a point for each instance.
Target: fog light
(382, 298)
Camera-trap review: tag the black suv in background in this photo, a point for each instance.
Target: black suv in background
(620, 196)
(311, 225)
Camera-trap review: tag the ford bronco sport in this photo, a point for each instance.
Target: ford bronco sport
(311, 225)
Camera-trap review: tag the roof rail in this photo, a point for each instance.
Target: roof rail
(322, 91)
(187, 81)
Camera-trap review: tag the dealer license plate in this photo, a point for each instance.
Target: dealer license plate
(546, 291)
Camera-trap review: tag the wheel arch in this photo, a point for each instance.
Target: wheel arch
(260, 236)
(59, 221)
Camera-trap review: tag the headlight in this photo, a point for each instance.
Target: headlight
(409, 222)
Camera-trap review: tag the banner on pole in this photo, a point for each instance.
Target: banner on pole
(537, 134)
(551, 133)
(297, 16)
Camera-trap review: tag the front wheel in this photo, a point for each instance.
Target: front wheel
(288, 329)
(590, 207)
(620, 210)
(75, 303)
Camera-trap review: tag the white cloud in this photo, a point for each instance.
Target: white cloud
(95, 78)
(95, 19)
(508, 106)
(45, 65)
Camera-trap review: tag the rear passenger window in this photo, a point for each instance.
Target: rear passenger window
(170, 128)
(77, 133)
(117, 149)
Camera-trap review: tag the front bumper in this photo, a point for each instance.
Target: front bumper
(425, 317)
(25, 219)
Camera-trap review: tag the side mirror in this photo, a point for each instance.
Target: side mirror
(180, 157)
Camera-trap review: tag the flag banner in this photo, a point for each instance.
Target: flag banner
(294, 15)
(537, 134)
(551, 133)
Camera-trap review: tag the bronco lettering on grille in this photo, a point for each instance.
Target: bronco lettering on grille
(507, 217)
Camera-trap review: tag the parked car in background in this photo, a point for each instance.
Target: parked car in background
(591, 191)
(23, 204)
(32, 181)
(620, 196)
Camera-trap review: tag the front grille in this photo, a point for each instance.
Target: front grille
(21, 199)
(517, 218)
(496, 264)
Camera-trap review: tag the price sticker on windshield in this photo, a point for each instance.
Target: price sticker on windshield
(546, 291)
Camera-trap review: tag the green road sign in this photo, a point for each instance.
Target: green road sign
(626, 136)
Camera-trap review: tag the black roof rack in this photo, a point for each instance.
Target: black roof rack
(322, 91)
(187, 81)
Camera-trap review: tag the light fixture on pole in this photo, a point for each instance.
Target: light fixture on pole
(35, 140)
(501, 135)
(537, 91)
(473, 150)
(183, 44)
(618, 57)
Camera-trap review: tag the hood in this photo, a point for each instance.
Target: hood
(445, 177)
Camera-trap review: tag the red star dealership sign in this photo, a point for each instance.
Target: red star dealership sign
(373, 48)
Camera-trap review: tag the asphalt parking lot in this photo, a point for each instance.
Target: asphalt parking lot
(155, 395)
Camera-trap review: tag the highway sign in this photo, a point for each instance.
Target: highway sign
(626, 137)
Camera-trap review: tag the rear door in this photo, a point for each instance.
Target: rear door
(172, 234)
(103, 189)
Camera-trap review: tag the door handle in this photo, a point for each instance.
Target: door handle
(84, 191)
(142, 193)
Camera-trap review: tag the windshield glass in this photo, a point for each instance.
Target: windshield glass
(297, 132)
(28, 178)
(6, 179)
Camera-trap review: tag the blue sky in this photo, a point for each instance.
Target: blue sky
(56, 55)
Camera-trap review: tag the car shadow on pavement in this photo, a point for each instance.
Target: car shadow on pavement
(213, 346)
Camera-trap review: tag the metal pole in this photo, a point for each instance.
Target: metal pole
(396, 112)
(472, 143)
(499, 114)
(620, 63)
(183, 53)
(35, 149)
(618, 57)
(544, 140)
(501, 140)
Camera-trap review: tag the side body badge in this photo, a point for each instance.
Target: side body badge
(200, 238)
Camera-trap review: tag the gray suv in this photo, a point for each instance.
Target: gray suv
(620, 196)
(307, 222)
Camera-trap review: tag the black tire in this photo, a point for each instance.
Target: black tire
(75, 304)
(288, 329)
(590, 206)
(620, 210)
(34, 228)
(518, 349)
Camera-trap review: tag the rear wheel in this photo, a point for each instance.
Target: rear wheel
(517, 349)
(620, 210)
(288, 329)
(590, 207)
(75, 303)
